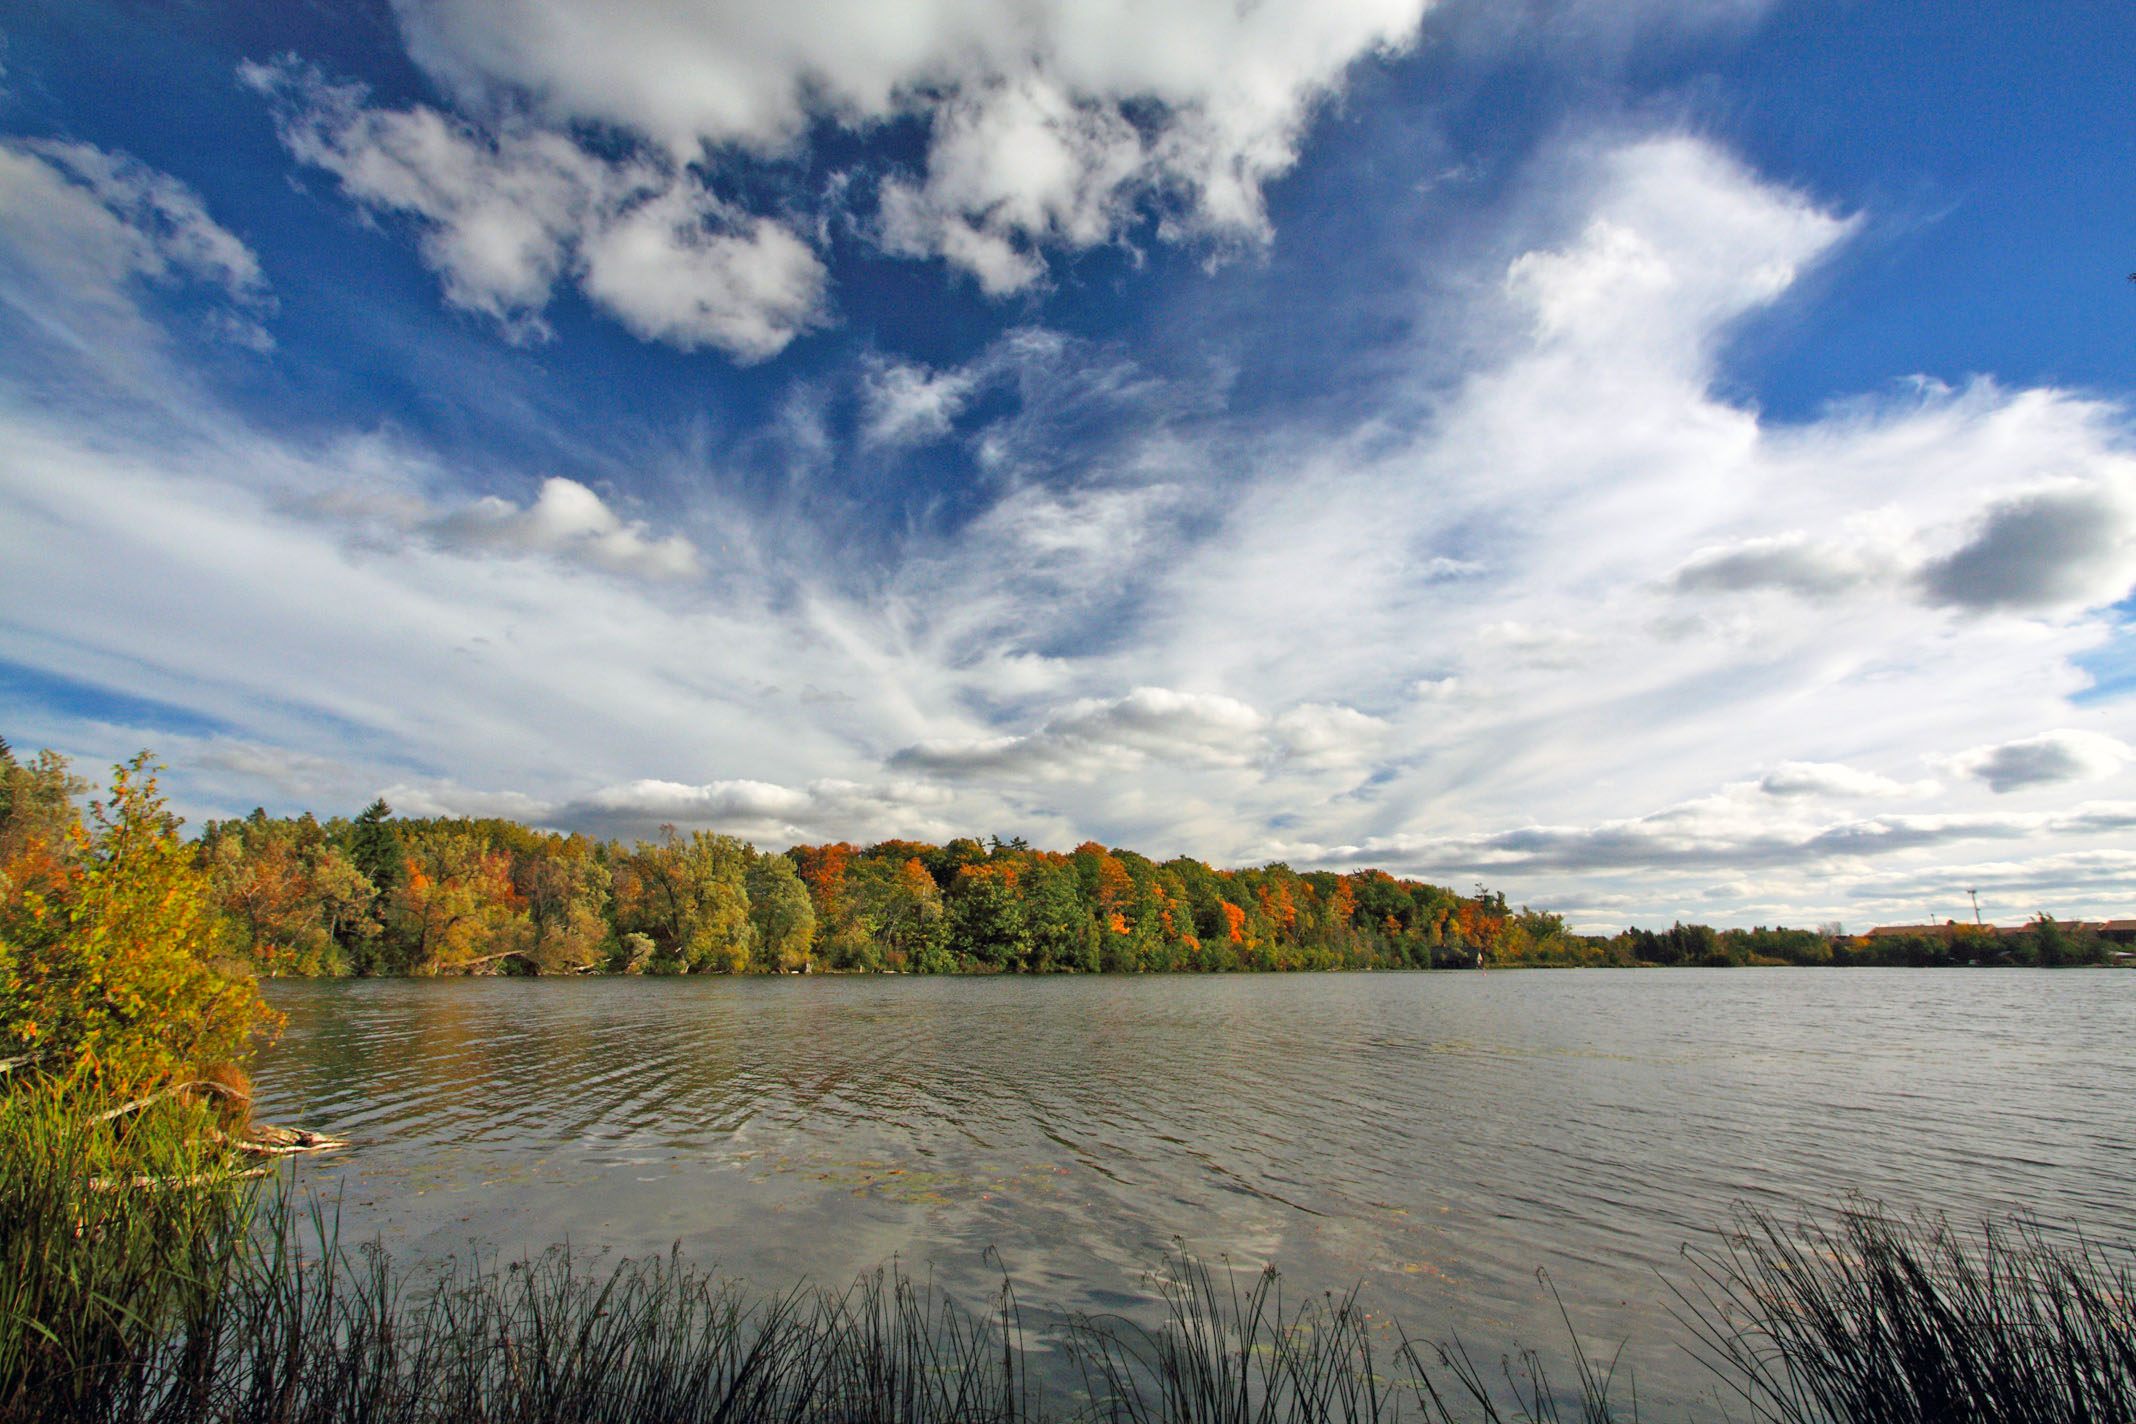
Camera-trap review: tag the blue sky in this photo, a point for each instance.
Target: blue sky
(1659, 459)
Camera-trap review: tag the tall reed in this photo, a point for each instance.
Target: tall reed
(114, 1232)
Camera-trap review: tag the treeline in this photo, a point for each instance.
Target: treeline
(2044, 943)
(380, 894)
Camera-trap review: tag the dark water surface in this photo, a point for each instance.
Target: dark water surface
(1434, 1138)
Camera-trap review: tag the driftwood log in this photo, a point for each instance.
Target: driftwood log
(259, 1139)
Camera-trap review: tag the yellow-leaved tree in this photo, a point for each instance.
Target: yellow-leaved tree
(116, 965)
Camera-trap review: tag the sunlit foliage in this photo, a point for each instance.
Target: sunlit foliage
(380, 894)
(114, 951)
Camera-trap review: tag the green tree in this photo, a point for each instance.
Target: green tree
(780, 916)
(986, 921)
(1064, 936)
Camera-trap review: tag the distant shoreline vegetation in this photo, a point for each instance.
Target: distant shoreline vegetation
(377, 894)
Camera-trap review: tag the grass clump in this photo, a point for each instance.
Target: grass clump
(1227, 1355)
(345, 1338)
(1883, 1319)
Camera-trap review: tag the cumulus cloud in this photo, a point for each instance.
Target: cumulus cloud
(1708, 834)
(88, 226)
(2054, 550)
(2069, 546)
(566, 521)
(1533, 645)
(1050, 125)
(506, 215)
(570, 520)
(290, 772)
(1811, 778)
(2044, 760)
(681, 267)
(446, 797)
(1328, 732)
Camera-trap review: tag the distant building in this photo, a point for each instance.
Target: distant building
(2112, 931)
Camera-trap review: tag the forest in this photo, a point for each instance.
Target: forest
(380, 894)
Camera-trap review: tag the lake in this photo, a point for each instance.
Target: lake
(1432, 1138)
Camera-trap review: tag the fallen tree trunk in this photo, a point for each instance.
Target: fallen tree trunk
(221, 1090)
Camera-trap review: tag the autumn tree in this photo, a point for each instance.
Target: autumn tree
(690, 897)
(903, 909)
(455, 907)
(119, 966)
(566, 889)
(293, 897)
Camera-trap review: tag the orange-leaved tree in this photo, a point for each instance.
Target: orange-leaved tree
(113, 965)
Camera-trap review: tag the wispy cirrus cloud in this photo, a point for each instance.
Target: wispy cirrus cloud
(86, 233)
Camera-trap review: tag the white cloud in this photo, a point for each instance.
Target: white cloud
(566, 521)
(824, 809)
(908, 404)
(1681, 241)
(1811, 778)
(506, 216)
(1167, 635)
(1098, 735)
(2044, 760)
(1051, 125)
(670, 272)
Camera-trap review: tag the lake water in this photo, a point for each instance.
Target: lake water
(1432, 1138)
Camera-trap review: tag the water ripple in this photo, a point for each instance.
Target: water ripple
(1438, 1137)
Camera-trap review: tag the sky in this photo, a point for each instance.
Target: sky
(1658, 459)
